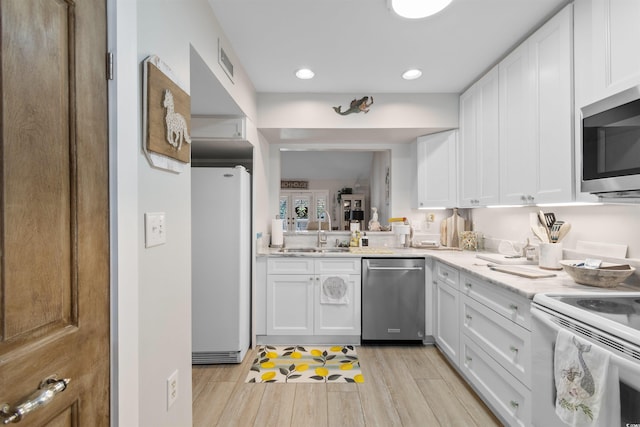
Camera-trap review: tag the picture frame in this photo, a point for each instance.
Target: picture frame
(166, 118)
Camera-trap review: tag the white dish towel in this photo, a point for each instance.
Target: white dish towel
(334, 290)
(587, 390)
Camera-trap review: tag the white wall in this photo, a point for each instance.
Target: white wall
(312, 110)
(125, 131)
(607, 223)
(165, 271)
(381, 161)
(162, 288)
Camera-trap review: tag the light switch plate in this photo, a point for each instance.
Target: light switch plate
(155, 231)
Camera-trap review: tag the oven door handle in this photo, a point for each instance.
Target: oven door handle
(615, 359)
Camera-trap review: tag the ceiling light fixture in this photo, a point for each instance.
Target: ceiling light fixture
(305, 74)
(411, 74)
(416, 9)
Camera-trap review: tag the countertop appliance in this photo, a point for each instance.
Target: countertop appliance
(221, 264)
(611, 145)
(393, 299)
(607, 320)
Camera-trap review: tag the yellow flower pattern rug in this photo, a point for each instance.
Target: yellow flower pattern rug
(305, 364)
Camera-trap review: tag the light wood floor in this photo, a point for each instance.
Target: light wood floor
(404, 386)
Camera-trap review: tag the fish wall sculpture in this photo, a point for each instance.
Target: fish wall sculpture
(356, 106)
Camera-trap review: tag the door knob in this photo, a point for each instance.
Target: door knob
(47, 390)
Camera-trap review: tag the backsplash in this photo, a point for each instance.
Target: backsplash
(616, 224)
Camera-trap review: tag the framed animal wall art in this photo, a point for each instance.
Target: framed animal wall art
(167, 118)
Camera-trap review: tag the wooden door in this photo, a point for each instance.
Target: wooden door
(54, 237)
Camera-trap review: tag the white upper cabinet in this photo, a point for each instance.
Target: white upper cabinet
(479, 153)
(436, 159)
(607, 39)
(536, 116)
(616, 41)
(517, 152)
(550, 52)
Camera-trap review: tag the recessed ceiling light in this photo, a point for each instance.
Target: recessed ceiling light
(305, 74)
(411, 74)
(416, 9)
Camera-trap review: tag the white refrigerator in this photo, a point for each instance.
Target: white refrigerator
(221, 264)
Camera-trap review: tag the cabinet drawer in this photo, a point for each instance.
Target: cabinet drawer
(507, 396)
(447, 331)
(508, 304)
(446, 274)
(301, 265)
(338, 266)
(508, 343)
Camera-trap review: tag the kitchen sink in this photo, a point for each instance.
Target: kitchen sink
(296, 250)
(313, 250)
(334, 249)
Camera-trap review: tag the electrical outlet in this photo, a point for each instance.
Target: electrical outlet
(172, 389)
(155, 230)
(431, 217)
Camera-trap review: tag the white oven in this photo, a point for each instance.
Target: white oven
(609, 321)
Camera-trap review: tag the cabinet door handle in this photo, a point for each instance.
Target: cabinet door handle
(513, 348)
(445, 274)
(468, 316)
(514, 404)
(469, 359)
(513, 307)
(467, 285)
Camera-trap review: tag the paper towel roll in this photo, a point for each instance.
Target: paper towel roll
(277, 237)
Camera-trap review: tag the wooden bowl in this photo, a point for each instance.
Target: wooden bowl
(599, 277)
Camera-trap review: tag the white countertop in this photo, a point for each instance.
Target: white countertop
(467, 262)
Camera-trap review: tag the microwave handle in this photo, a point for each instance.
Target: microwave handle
(616, 360)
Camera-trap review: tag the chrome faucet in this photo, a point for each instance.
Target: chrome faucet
(322, 236)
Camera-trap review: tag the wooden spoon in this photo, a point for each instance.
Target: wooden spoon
(564, 229)
(537, 228)
(543, 222)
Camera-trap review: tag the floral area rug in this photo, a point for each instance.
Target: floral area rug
(305, 364)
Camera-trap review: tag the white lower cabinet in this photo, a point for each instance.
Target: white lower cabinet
(343, 318)
(290, 304)
(313, 297)
(485, 332)
(506, 342)
(506, 395)
(447, 296)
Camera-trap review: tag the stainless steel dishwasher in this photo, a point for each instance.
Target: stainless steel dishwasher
(393, 293)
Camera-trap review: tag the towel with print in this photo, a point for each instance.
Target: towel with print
(580, 372)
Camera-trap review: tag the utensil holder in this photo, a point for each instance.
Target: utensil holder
(550, 256)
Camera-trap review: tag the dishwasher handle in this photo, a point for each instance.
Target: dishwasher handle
(395, 268)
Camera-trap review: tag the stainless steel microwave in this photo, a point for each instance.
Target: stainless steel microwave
(611, 145)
